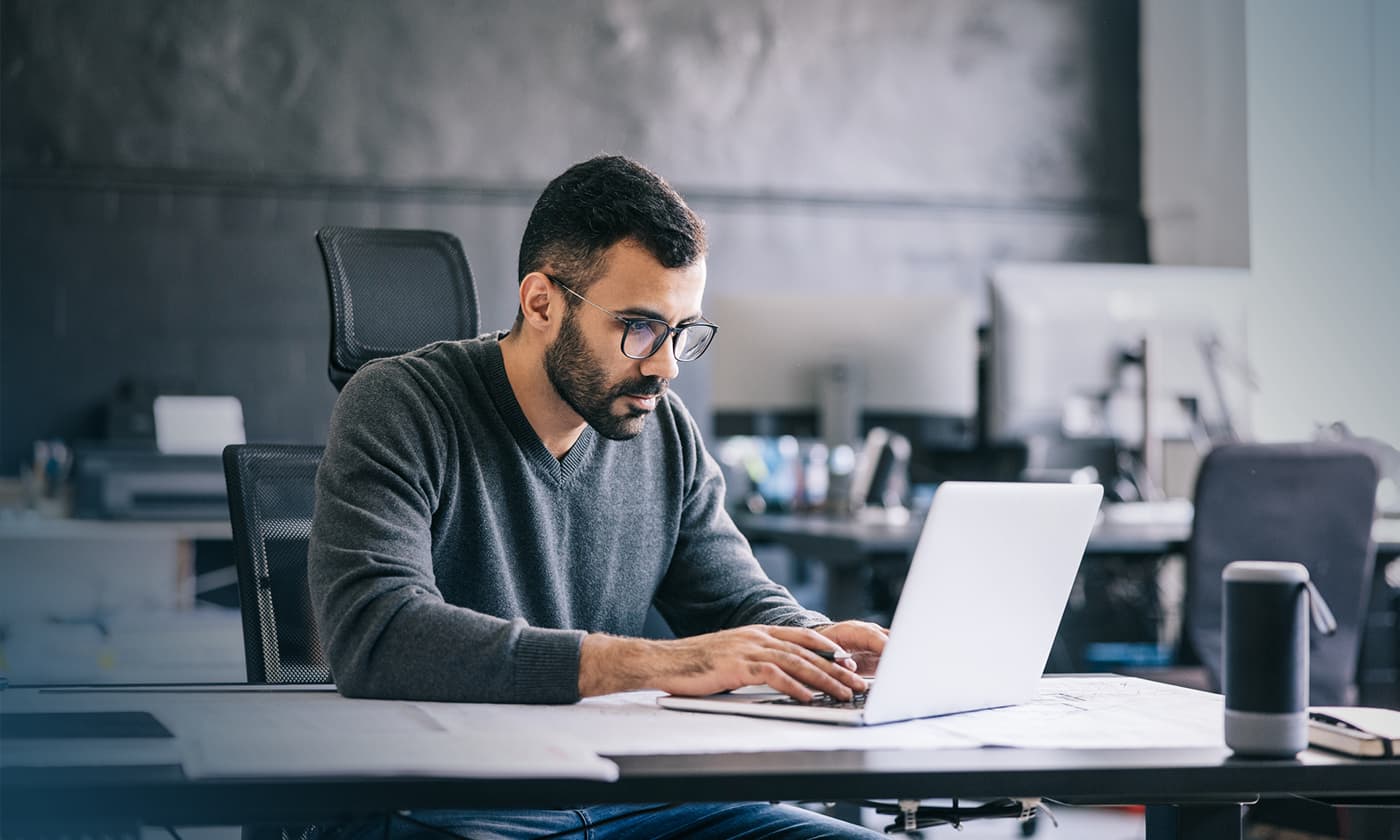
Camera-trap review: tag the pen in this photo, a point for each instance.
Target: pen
(833, 655)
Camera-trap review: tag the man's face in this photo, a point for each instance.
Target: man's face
(585, 363)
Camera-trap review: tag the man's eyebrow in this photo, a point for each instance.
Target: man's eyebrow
(642, 312)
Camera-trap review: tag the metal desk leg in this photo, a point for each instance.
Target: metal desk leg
(1224, 821)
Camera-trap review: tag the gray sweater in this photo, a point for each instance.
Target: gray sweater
(454, 558)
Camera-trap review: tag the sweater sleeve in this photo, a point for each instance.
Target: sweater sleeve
(386, 629)
(714, 581)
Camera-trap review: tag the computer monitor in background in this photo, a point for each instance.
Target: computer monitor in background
(1073, 343)
(786, 361)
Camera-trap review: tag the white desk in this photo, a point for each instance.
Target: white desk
(162, 791)
(68, 566)
(95, 600)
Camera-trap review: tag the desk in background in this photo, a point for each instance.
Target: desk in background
(86, 600)
(843, 541)
(145, 560)
(848, 550)
(844, 547)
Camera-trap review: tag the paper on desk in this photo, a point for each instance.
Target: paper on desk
(421, 754)
(1100, 713)
(293, 717)
(632, 724)
(239, 736)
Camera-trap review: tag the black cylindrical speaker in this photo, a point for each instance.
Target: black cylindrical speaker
(1266, 658)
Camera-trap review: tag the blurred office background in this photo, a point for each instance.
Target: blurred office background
(165, 165)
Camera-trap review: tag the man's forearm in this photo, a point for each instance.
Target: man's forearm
(607, 664)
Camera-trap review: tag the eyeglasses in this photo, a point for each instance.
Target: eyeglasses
(642, 337)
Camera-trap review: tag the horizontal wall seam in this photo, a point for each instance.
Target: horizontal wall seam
(521, 194)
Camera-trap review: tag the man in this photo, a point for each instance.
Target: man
(494, 517)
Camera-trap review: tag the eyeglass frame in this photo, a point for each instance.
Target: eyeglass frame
(671, 332)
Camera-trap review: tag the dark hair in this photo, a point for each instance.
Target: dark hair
(598, 203)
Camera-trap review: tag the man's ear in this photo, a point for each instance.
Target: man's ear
(535, 300)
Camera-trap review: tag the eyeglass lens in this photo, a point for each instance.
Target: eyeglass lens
(644, 338)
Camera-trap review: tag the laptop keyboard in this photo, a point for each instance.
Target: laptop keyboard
(823, 700)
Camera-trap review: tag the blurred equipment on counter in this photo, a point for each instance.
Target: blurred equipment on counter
(795, 475)
(1146, 361)
(162, 461)
(198, 425)
(114, 483)
(880, 486)
(834, 366)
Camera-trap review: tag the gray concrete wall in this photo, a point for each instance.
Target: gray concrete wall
(165, 163)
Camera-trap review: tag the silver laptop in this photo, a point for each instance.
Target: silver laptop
(984, 596)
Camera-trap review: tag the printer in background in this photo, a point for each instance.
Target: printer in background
(120, 483)
(174, 474)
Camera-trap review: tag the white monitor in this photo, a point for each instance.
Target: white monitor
(913, 355)
(1060, 331)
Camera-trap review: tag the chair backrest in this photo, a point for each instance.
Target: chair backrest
(1302, 503)
(393, 291)
(271, 491)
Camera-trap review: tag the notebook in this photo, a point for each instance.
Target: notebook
(1355, 730)
(987, 586)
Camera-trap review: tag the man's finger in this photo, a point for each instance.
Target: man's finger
(805, 637)
(769, 674)
(833, 661)
(833, 681)
(858, 635)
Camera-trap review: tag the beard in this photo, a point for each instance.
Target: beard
(579, 380)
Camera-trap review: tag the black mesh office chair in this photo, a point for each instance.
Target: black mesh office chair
(1303, 503)
(271, 488)
(393, 291)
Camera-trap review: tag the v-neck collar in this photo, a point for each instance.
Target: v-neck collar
(503, 395)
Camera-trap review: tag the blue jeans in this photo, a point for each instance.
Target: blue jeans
(718, 821)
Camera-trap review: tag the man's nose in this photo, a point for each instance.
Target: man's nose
(662, 363)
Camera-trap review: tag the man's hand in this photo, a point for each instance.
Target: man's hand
(783, 658)
(862, 639)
